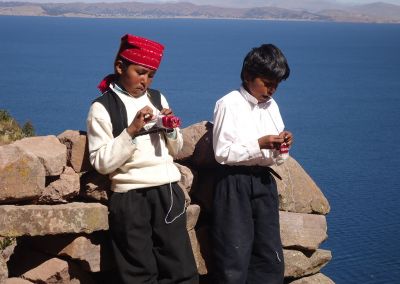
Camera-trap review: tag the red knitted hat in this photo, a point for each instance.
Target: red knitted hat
(141, 51)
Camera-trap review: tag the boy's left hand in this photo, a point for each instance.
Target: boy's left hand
(287, 136)
(166, 111)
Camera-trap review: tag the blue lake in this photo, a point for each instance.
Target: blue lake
(341, 101)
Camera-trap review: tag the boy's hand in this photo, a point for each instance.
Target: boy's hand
(142, 117)
(166, 111)
(288, 137)
(270, 142)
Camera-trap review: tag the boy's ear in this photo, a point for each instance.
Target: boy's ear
(119, 67)
(246, 77)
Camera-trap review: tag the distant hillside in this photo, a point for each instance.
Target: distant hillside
(377, 12)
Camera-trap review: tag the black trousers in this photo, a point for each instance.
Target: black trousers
(146, 248)
(245, 231)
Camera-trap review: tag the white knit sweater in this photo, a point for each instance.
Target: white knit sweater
(143, 162)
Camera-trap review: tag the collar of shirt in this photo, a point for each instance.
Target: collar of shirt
(118, 89)
(252, 100)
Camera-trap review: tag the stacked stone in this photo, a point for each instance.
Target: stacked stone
(53, 208)
(302, 209)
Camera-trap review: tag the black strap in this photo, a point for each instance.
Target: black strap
(117, 110)
(155, 98)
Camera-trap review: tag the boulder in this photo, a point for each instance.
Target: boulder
(91, 252)
(63, 189)
(318, 278)
(77, 150)
(192, 215)
(40, 220)
(203, 155)
(191, 136)
(197, 148)
(7, 246)
(3, 269)
(57, 271)
(200, 263)
(187, 176)
(95, 187)
(22, 175)
(51, 271)
(205, 250)
(297, 191)
(298, 264)
(302, 231)
(48, 149)
(15, 280)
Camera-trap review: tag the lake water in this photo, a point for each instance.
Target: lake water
(341, 101)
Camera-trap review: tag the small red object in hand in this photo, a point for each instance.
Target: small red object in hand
(284, 148)
(171, 121)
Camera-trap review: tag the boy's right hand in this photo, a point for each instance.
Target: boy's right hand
(270, 142)
(142, 117)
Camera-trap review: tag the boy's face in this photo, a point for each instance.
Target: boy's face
(262, 88)
(136, 79)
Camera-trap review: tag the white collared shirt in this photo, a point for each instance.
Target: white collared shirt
(239, 121)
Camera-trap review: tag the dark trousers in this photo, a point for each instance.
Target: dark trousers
(245, 231)
(146, 248)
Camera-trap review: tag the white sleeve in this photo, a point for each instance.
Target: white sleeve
(106, 153)
(226, 149)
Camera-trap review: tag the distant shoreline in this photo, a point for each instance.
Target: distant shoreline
(199, 18)
(379, 13)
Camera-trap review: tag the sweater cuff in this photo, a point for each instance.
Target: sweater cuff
(254, 149)
(127, 138)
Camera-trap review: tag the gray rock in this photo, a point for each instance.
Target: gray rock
(297, 191)
(192, 215)
(203, 155)
(63, 189)
(22, 175)
(8, 245)
(200, 263)
(297, 264)
(303, 231)
(53, 270)
(187, 176)
(15, 280)
(95, 187)
(186, 181)
(39, 220)
(77, 150)
(3, 269)
(49, 150)
(191, 136)
(57, 271)
(318, 278)
(91, 252)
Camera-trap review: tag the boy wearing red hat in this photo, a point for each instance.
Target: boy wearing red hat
(248, 136)
(147, 217)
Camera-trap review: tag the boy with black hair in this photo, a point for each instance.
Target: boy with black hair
(147, 217)
(248, 133)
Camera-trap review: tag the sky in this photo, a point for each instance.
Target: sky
(397, 2)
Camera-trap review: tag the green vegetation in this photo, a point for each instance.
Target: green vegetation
(5, 242)
(11, 131)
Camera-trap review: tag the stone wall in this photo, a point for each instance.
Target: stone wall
(53, 212)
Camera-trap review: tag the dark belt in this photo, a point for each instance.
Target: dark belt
(255, 170)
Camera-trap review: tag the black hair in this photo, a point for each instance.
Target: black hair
(125, 63)
(266, 61)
